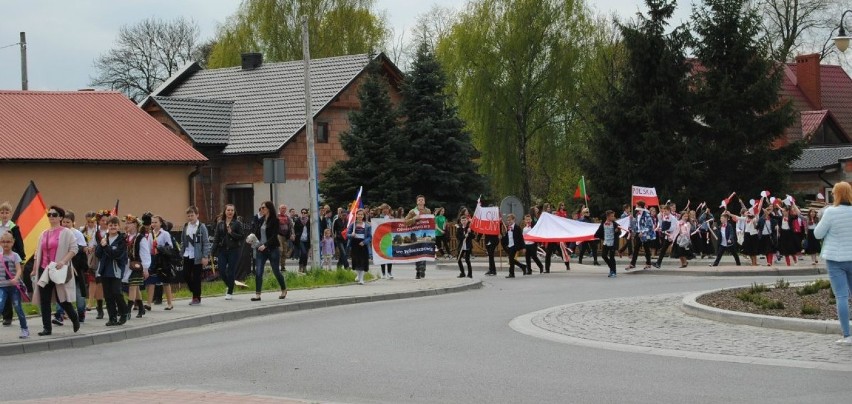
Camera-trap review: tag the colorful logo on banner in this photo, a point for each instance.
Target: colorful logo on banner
(394, 242)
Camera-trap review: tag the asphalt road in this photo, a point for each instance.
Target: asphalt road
(455, 348)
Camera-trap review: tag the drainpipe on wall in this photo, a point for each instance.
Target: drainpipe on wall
(192, 176)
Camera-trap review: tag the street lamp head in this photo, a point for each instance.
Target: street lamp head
(842, 40)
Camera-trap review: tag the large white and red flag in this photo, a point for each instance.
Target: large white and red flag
(486, 220)
(353, 209)
(649, 195)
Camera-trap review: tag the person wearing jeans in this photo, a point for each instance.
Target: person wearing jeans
(269, 249)
(607, 233)
(227, 242)
(835, 231)
(196, 248)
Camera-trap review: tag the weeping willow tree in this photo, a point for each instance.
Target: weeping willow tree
(274, 28)
(514, 66)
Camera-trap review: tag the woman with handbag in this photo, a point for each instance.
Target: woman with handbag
(162, 249)
(269, 249)
(111, 251)
(139, 256)
(55, 249)
(227, 243)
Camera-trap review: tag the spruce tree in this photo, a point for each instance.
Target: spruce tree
(739, 103)
(437, 142)
(644, 115)
(372, 145)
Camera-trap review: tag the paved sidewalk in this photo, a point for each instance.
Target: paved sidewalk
(656, 325)
(217, 309)
(670, 266)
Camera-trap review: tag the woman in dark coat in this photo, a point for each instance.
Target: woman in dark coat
(269, 249)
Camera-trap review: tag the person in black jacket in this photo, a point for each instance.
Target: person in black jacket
(302, 238)
(267, 235)
(227, 243)
(767, 235)
(727, 236)
(465, 238)
(337, 227)
(607, 233)
(513, 241)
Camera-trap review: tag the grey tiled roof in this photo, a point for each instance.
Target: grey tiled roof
(817, 158)
(269, 102)
(206, 121)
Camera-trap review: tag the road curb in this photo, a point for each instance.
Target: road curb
(690, 306)
(734, 272)
(205, 319)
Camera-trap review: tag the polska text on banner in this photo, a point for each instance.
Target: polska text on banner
(649, 195)
(486, 220)
(394, 242)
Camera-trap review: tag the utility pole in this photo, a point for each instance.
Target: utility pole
(23, 43)
(313, 198)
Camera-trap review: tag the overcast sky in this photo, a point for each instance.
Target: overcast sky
(65, 37)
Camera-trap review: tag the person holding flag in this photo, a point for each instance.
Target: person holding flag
(487, 223)
(55, 248)
(642, 227)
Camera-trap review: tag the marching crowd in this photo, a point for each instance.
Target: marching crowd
(86, 268)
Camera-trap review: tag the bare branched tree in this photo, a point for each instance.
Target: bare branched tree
(145, 55)
(797, 26)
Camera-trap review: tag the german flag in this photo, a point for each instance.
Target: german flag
(31, 218)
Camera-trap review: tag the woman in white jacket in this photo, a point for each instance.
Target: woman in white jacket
(835, 231)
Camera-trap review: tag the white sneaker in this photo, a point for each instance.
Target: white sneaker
(390, 276)
(844, 341)
(228, 296)
(360, 282)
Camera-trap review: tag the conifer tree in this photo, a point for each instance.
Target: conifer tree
(437, 142)
(372, 145)
(738, 102)
(645, 115)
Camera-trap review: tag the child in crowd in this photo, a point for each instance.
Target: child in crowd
(10, 279)
(327, 248)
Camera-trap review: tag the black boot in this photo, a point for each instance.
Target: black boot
(122, 319)
(140, 307)
(101, 309)
(158, 293)
(112, 322)
(71, 312)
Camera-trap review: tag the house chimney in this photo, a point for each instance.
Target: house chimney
(252, 60)
(808, 78)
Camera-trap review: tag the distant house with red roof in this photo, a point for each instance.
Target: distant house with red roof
(240, 116)
(85, 149)
(822, 98)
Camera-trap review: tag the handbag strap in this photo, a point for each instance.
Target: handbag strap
(8, 272)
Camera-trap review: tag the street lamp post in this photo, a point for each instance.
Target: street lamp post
(842, 40)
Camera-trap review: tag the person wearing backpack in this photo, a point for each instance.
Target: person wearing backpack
(195, 242)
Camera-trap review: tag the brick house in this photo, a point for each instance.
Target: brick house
(239, 116)
(85, 149)
(822, 98)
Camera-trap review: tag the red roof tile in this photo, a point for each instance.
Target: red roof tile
(836, 96)
(811, 120)
(87, 126)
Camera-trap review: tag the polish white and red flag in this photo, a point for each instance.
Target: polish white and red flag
(486, 220)
(649, 195)
(727, 201)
